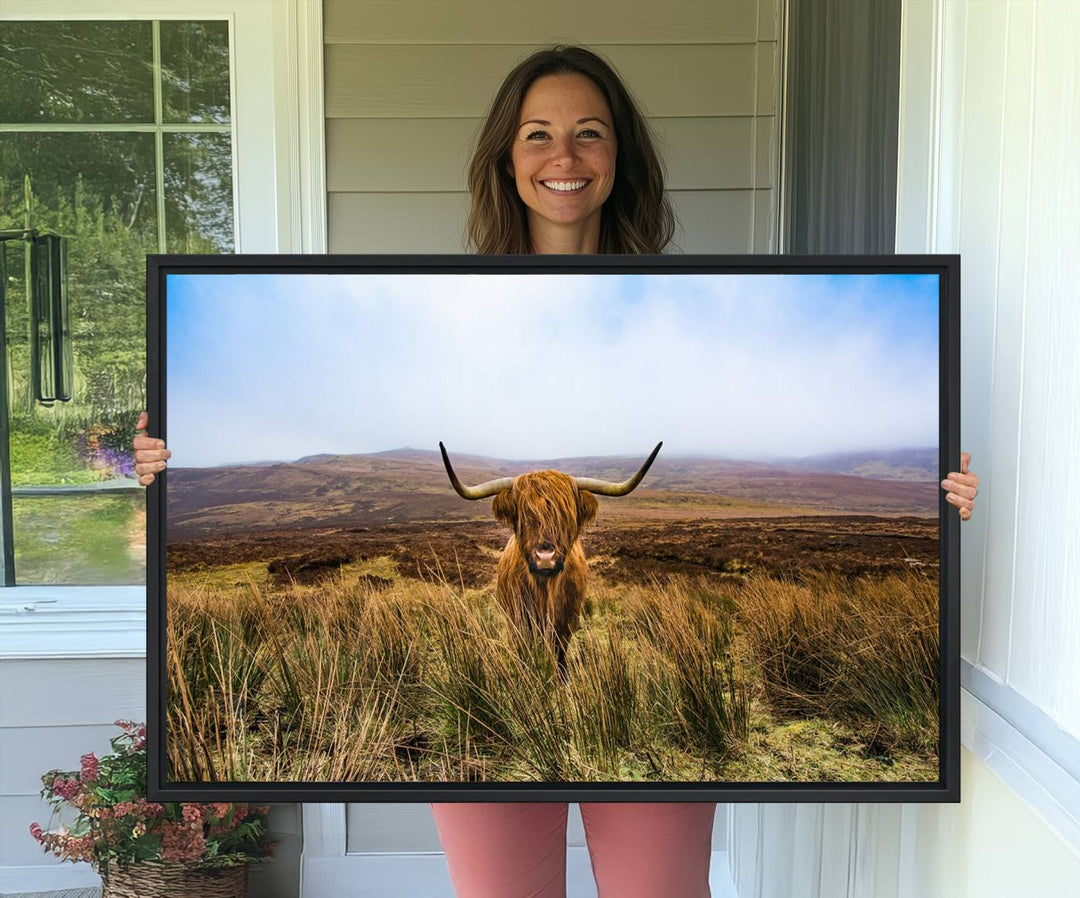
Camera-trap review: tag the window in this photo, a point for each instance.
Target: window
(116, 135)
(278, 179)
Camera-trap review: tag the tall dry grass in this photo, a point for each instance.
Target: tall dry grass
(864, 650)
(429, 681)
(426, 680)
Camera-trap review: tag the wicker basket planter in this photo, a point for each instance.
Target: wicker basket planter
(173, 880)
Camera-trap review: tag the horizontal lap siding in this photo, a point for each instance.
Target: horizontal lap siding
(476, 22)
(74, 692)
(708, 221)
(459, 81)
(53, 712)
(408, 83)
(27, 752)
(432, 154)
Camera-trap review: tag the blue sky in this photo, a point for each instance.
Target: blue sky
(543, 366)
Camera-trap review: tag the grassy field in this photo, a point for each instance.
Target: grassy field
(371, 675)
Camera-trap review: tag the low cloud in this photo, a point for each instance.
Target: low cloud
(540, 366)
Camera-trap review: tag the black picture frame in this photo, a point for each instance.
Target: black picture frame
(946, 789)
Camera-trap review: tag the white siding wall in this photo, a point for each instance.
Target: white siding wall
(408, 82)
(990, 168)
(1015, 213)
(54, 711)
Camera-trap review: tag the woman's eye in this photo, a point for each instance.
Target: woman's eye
(589, 133)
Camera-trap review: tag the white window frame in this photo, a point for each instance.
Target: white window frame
(279, 206)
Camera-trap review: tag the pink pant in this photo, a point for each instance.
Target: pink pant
(649, 850)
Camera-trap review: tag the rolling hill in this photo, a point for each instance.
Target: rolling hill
(410, 485)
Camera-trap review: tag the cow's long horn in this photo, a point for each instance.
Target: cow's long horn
(607, 488)
(480, 491)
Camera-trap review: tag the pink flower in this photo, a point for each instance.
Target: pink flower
(89, 768)
(150, 808)
(78, 848)
(181, 842)
(66, 789)
(123, 808)
(112, 829)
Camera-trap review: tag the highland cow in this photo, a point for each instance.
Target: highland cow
(541, 576)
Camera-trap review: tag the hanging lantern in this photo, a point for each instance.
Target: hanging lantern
(51, 360)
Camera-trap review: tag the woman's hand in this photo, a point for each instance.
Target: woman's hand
(961, 487)
(150, 453)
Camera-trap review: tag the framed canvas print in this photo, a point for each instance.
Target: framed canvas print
(554, 528)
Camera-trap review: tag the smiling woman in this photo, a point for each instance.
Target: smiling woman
(565, 164)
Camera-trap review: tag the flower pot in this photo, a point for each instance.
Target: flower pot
(174, 880)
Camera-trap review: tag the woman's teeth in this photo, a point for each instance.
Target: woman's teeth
(564, 186)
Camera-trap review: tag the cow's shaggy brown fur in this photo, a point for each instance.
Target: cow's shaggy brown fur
(547, 513)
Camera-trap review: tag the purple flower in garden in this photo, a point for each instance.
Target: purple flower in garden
(120, 463)
(110, 461)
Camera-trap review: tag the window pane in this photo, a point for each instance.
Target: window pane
(195, 71)
(98, 191)
(83, 540)
(76, 72)
(117, 175)
(198, 193)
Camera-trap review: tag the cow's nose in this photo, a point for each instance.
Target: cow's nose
(545, 553)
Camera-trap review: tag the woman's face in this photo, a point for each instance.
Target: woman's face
(563, 154)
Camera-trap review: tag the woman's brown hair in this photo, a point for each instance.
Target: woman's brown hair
(636, 218)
